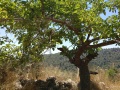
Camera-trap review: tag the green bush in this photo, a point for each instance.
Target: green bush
(112, 73)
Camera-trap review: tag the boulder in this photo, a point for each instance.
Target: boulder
(50, 84)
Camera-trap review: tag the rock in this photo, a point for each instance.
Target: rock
(23, 82)
(40, 85)
(49, 84)
(102, 85)
(29, 85)
(65, 85)
(18, 85)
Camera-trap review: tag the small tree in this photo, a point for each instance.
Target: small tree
(78, 22)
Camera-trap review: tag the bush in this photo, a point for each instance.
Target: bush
(112, 72)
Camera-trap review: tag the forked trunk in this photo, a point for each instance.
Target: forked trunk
(84, 77)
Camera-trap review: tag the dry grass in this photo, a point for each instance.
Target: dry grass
(10, 81)
(59, 74)
(45, 72)
(102, 77)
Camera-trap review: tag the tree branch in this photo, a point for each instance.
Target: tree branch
(16, 19)
(104, 43)
(93, 72)
(61, 49)
(66, 24)
(97, 38)
(65, 54)
(89, 57)
(89, 33)
(42, 7)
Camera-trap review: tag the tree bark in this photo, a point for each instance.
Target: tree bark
(84, 77)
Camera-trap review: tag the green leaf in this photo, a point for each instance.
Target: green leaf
(1, 42)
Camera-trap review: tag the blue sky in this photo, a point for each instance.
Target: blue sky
(11, 36)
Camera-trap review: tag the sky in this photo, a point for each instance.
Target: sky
(11, 36)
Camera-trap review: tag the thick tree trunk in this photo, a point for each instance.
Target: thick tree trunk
(84, 77)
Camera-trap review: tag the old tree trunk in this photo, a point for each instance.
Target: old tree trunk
(84, 73)
(82, 64)
(84, 77)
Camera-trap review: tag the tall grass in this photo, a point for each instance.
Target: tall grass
(42, 72)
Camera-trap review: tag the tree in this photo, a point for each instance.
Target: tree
(78, 22)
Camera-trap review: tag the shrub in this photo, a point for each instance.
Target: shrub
(112, 72)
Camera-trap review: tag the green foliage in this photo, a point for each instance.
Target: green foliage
(2, 39)
(112, 73)
(78, 20)
(42, 24)
(32, 31)
(10, 55)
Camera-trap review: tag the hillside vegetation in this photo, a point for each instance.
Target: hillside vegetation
(105, 59)
(12, 78)
(57, 66)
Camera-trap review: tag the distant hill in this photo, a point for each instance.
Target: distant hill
(105, 59)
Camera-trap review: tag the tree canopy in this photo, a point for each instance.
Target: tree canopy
(77, 21)
(41, 24)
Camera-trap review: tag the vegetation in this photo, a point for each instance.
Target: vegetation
(106, 59)
(11, 80)
(112, 72)
(43, 24)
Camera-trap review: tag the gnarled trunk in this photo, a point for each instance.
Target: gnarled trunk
(82, 64)
(84, 77)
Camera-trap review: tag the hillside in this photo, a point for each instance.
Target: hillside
(105, 59)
